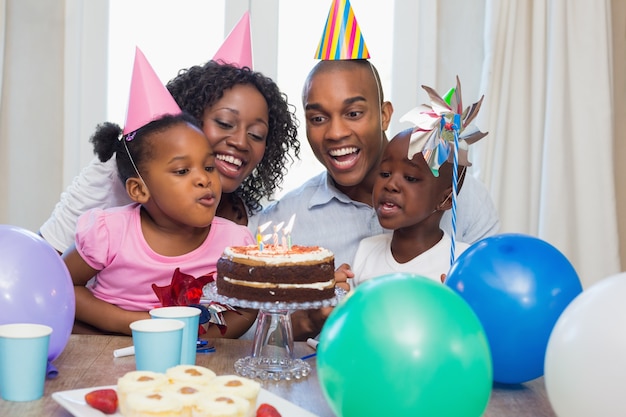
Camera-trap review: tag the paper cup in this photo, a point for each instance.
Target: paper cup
(157, 343)
(190, 316)
(23, 360)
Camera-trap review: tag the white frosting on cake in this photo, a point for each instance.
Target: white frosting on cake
(255, 284)
(278, 255)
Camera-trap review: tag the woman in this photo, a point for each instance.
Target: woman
(250, 127)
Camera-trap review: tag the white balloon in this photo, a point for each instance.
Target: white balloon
(585, 363)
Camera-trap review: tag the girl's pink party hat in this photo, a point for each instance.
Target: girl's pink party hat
(149, 99)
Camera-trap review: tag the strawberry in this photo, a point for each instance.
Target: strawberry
(266, 410)
(104, 400)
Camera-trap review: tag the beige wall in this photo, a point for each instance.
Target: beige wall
(619, 75)
(30, 126)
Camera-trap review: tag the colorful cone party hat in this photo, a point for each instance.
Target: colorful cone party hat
(237, 47)
(342, 37)
(149, 99)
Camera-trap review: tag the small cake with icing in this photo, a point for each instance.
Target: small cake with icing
(138, 381)
(235, 385)
(276, 273)
(188, 394)
(193, 374)
(215, 404)
(153, 404)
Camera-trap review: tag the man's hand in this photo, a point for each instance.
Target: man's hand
(308, 323)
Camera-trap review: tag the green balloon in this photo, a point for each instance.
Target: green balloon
(404, 345)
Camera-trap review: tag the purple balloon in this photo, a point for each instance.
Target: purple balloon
(35, 285)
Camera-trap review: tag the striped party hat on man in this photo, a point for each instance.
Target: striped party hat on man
(342, 37)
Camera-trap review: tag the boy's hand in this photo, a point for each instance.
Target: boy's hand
(342, 274)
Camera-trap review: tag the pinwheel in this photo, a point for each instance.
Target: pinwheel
(443, 130)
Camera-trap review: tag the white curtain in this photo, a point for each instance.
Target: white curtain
(547, 79)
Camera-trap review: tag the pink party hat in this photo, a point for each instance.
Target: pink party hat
(342, 37)
(237, 47)
(149, 99)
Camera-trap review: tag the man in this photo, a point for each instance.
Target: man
(346, 118)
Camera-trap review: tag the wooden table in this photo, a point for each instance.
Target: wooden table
(87, 361)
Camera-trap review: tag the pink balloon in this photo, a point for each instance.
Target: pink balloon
(35, 286)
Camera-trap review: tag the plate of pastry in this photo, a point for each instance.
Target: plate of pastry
(184, 390)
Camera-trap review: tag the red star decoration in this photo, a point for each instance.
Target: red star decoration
(184, 289)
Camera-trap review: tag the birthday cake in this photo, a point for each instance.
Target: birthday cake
(276, 273)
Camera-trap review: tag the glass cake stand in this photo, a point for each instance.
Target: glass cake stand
(272, 355)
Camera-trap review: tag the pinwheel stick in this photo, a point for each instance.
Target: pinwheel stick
(455, 169)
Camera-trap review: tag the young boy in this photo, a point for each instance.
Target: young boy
(409, 200)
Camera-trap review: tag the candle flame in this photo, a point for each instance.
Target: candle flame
(278, 227)
(264, 226)
(289, 226)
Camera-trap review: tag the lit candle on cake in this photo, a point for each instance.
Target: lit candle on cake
(276, 230)
(259, 236)
(287, 232)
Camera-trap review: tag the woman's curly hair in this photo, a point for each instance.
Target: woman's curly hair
(200, 87)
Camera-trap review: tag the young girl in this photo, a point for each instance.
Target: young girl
(168, 168)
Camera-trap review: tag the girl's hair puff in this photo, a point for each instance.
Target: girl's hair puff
(107, 140)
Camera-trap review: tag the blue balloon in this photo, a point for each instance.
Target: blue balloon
(35, 285)
(518, 286)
